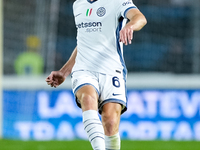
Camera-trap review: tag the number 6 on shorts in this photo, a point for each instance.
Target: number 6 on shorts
(116, 82)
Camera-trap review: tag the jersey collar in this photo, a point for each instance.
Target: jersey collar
(91, 1)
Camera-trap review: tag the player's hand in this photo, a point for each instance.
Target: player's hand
(55, 78)
(126, 34)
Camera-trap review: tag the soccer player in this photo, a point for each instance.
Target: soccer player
(97, 67)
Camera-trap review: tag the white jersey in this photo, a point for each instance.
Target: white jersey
(98, 24)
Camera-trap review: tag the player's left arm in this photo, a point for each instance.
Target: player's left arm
(136, 22)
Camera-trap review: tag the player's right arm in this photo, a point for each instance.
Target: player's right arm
(67, 68)
(58, 77)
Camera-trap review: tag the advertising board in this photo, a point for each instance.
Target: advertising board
(53, 115)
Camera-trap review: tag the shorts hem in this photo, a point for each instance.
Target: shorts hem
(113, 101)
(80, 86)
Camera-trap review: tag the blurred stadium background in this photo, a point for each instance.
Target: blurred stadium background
(38, 36)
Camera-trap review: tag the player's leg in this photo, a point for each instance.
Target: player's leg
(112, 105)
(111, 118)
(88, 98)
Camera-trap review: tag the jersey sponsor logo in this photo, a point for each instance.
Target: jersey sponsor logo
(89, 12)
(126, 3)
(101, 11)
(89, 24)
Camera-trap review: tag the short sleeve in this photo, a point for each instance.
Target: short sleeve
(124, 6)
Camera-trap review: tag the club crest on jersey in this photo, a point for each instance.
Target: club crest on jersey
(101, 11)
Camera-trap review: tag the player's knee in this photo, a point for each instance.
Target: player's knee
(86, 98)
(88, 101)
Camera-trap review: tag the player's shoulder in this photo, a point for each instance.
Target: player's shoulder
(123, 2)
(77, 2)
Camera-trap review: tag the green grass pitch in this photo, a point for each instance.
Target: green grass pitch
(85, 145)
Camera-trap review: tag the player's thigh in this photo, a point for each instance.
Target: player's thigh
(88, 97)
(111, 110)
(85, 88)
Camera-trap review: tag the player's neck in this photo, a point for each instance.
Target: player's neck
(91, 1)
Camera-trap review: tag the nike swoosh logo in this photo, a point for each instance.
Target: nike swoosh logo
(78, 15)
(116, 94)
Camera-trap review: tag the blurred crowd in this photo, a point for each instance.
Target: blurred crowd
(165, 44)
